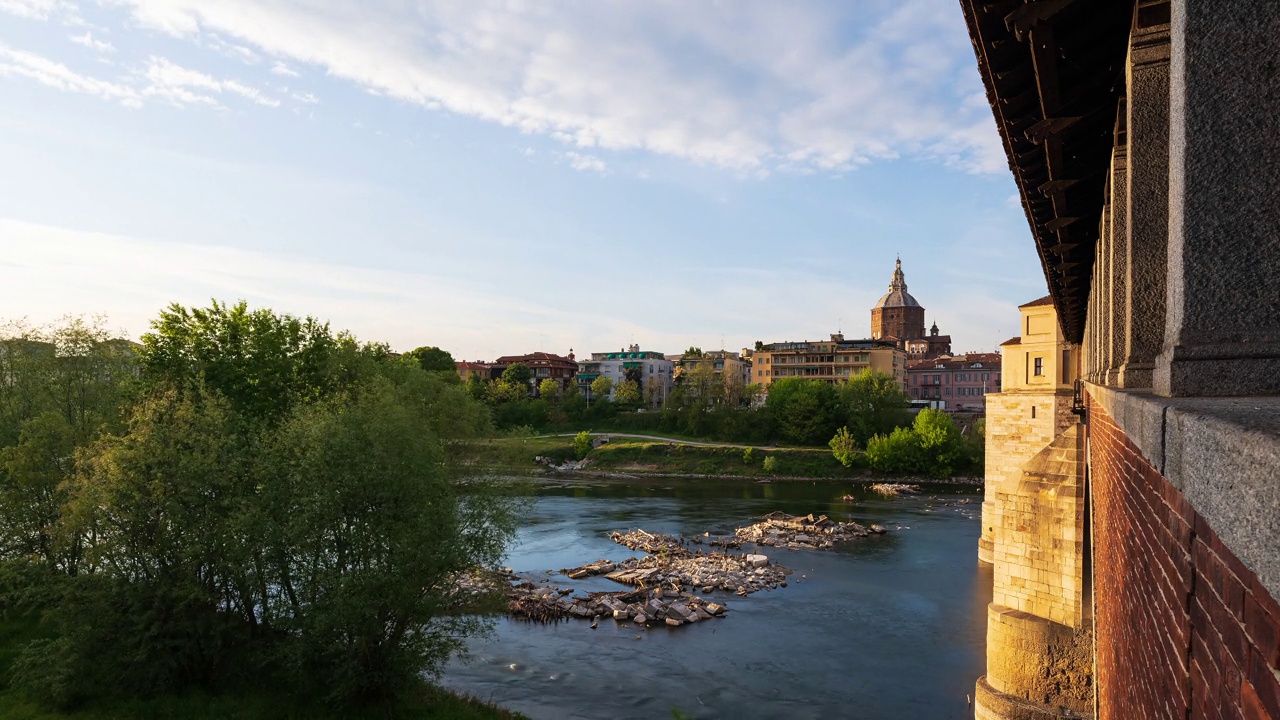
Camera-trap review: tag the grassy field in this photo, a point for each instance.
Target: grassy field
(635, 456)
(660, 457)
(427, 703)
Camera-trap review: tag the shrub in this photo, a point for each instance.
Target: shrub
(582, 444)
(771, 464)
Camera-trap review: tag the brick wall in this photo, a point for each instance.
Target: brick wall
(1184, 629)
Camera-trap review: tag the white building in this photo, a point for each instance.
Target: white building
(652, 370)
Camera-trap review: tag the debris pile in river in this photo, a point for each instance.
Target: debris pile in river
(599, 567)
(778, 529)
(894, 488)
(548, 603)
(671, 567)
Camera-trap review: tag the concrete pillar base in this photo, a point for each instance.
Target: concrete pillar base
(986, 550)
(991, 704)
(1136, 375)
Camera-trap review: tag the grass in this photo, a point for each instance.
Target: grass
(427, 702)
(661, 457)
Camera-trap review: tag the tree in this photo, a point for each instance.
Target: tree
(842, 447)
(771, 464)
(873, 403)
(932, 445)
(627, 392)
(548, 389)
(601, 387)
(61, 386)
(433, 359)
(582, 444)
(261, 362)
(282, 505)
(517, 374)
(692, 352)
(653, 392)
(805, 411)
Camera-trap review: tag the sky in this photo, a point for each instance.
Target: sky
(497, 178)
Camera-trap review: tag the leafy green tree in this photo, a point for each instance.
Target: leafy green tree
(692, 352)
(771, 464)
(60, 387)
(601, 387)
(260, 361)
(897, 452)
(517, 374)
(747, 455)
(549, 389)
(932, 446)
(582, 444)
(433, 359)
(504, 392)
(873, 403)
(627, 392)
(842, 447)
(804, 411)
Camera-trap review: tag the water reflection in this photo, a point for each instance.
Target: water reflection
(887, 627)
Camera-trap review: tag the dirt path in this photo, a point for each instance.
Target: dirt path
(657, 438)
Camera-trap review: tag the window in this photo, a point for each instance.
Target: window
(986, 377)
(1039, 367)
(1033, 412)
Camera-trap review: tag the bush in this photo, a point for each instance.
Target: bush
(842, 447)
(771, 464)
(747, 454)
(582, 444)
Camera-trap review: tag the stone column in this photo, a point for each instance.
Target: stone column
(1222, 329)
(1101, 296)
(1147, 225)
(1118, 258)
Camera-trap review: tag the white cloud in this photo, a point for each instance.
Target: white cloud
(751, 86)
(56, 75)
(99, 46)
(590, 163)
(281, 69)
(305, 97)
(183, 86)
(34, 9)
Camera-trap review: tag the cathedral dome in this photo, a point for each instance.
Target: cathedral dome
(897, 295)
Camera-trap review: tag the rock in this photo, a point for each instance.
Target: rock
(707, 588)
(758, 560)
(703, 614)
(878, 529)
(621, 615)
(716, 609)
(673, 622)
(641, 619)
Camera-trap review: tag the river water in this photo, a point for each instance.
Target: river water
(891, 626)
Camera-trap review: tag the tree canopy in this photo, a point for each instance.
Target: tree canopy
(433, 359)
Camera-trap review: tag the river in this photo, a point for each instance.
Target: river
(890, 626)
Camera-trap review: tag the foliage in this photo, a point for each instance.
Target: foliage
(747, 455)
(60, 387)
(932, 446)
(627, 392)
(804, 411)
(771, 464)
(549, 389)
(582, 444)
(842, 447)
(601, 387)
(517, 374)
(874, 403)
(433, 359)
(282, 508)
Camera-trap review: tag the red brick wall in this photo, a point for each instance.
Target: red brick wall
(1184, 629)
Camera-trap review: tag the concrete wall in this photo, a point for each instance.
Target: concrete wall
(1184, 628)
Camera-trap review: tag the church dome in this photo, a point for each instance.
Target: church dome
(897, 295)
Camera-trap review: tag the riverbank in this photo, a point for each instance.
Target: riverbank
(427, 702)
(625, 458)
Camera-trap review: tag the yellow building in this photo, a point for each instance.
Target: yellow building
(834, 360)
(1037, 381)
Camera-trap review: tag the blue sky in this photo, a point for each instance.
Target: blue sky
(503, 177)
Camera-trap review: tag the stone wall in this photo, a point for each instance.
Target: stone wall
(1184, 629)
(1039, 535)
(1013, 438)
